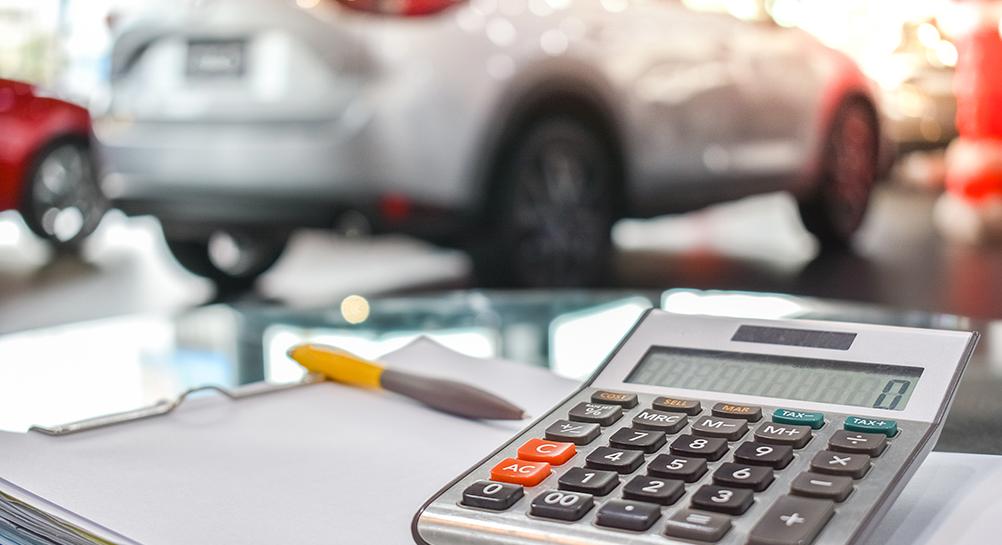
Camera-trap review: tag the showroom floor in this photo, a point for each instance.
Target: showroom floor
(754, 244)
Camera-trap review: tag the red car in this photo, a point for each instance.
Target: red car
(46, 166)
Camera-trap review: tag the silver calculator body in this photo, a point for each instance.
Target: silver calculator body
(760, 382)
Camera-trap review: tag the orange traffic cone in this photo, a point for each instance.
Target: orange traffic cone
(971, 208)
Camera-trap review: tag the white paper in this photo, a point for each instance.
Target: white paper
(328, 464)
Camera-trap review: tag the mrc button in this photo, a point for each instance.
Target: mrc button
(623, 399)
(660, 421)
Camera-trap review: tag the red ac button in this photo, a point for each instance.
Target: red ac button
(515, 471)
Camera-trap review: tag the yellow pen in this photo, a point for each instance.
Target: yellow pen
(442, 394)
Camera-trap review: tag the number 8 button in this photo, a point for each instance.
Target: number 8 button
(711, 448)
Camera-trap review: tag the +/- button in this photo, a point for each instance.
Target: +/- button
(622, 399)
(675, 405)
(799, 418)
(578, 433)
(492, 495)
(552, 452)
(747, 412)
(515, 471)
(871, 425)
(871, 444)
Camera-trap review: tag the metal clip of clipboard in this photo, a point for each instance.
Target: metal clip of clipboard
(166, 406)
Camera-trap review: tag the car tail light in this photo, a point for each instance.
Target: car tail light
(400, 7)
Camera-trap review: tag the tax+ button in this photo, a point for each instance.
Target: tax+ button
(871, 425)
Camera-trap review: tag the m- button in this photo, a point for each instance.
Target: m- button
(747, 412)
(783, 434)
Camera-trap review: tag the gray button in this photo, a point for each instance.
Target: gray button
(816, 485)
(645, 440)
(792, 521)
(579, 433)
(783, 434)
(615, 459)
(616, 398)
(597, 413)
(840, 463)
(871, 444)
(654, 490)
(690, 407)
(697, 525)
(732, 501)
(561, 505)
(492, 495)
(628, 515)
(588, 481)
(660, 421)
(714, 426)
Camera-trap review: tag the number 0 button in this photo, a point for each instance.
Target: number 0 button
(492, 495)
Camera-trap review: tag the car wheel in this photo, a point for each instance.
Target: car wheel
(62, 202)
(835, 210)
(231, 259)
(551, 211)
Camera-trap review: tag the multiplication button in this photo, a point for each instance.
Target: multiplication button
(492, 495)
(697, 525)
(596, 413)
(838, 463)
(561, 505)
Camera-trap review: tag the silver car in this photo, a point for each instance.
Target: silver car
(518, 129)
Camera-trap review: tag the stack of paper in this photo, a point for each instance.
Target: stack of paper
(326, 464)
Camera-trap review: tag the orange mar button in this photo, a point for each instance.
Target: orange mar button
(520, 472)
(552, 452)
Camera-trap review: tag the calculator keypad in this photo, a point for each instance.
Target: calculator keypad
(663, 467)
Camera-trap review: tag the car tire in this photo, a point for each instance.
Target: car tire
(550, 212)
(233, 260)
(62, 202)
(835, 209)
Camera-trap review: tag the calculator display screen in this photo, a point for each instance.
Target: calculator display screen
(806, 379)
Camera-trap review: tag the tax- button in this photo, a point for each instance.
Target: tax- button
(871, 425)
(622, 399)
(792, 521)
(492, 495)
(783, 434)
(515, 471)
(551, 452)
(838, 463)
(597, 413)
(747, 412)
(798, 418)
(871, 444)
(712, 426)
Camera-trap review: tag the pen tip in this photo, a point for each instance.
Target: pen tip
(526, 416)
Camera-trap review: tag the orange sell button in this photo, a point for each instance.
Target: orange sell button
(552, 452)
(520, 472)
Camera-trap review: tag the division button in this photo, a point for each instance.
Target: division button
(758, 478)
(697, 525)
(675, 405)
(579, 433)
(677, 467)
(777, 456)
(783, 434)
(492, 495)
(713, 426)
(792, 521)
(732, 501)
(871, 444)
(589, 481)
(711, 448)
(871, 425)
(551, 452)
(654, 490)
(799, 418)
(644, 440)
(628, 515)
(747, 412)
(604, 415)
(650, 419)
(515, 471)
(840, 463)
(561, 505)
(622, 399)
(816, 485)
(615, 459)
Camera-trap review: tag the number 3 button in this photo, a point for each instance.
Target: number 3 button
(733, 501)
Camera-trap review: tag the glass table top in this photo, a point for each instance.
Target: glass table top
(67, 373)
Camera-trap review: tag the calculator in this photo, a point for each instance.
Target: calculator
(717, 430)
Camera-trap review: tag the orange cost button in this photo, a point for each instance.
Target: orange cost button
(520, 472)
(541, 450)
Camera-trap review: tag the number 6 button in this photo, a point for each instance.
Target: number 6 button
(757, 478)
